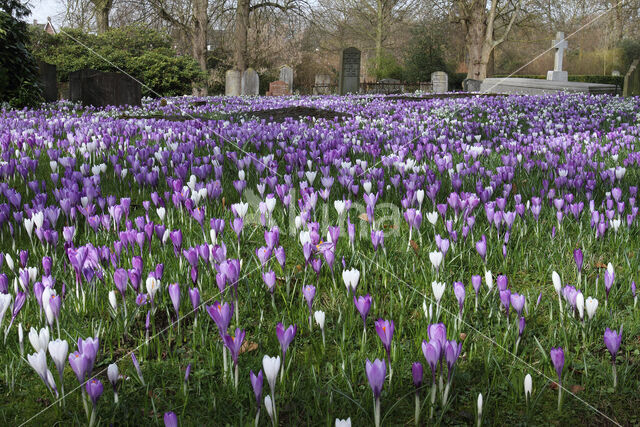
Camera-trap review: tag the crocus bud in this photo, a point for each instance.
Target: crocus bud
(113, 300)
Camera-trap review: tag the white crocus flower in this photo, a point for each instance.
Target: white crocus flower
(591, 305)
(39, 341)
(351, 279)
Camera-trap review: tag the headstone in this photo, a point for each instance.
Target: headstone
(615, 73)
(250, 85)
(440, 82)
(286, 75)
(350, 71)
(322, 85)
(49, 81)
(632, 80)
(100, 89)
(471, 85)
(232, 83)
(278, 88)
(559, 44)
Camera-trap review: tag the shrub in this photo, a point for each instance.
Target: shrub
(19, 81)
(143, 53)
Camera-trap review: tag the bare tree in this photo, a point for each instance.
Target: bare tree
(480, 27)
(102, 9)
(244, 9)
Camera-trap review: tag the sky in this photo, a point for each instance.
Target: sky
(41, 9)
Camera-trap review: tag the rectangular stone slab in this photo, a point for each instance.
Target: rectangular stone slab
(537, 86)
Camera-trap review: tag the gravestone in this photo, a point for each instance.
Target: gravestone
(250, 85)
(632, 80)
(232, 83)
(286, 75)
(49, 81)
(559, 44)
(440, 82)
(471, 85)
(350, 71)
(97, 88)
(278, 88)
(322, 85)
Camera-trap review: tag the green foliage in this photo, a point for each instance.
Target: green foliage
(390, 68)
(143, 53)
(630, 52)
(19, 84)
(424, 56)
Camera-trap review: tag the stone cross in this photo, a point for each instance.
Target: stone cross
(560, 44)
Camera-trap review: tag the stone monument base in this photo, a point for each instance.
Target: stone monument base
(539, 86)
(558, 76)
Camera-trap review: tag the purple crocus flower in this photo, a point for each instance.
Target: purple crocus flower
(517, 302)
(363, 304)
(170, 419)
(194, 296)
(578, 257)
(121, 279)
(431, 352)
(476, 282)
(256, 384)
(385, 328)
(221, 315)
(234, 343)
(452, 351)
(459, 291)
(612, 340)
(94, 390)
(309, 292)
(285, 336)
(79, 364)
(481, 247)
(521, 325)
(376, 373)
(505, 299)
(174, 294)
(557, 358)
(416, 372)
(269, 278)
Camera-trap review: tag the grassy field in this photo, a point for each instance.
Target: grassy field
(527, 144)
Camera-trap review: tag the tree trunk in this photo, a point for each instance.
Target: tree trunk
(478, 45)
(199, 37)
(242, 26)
(102, 9)
(379, 31)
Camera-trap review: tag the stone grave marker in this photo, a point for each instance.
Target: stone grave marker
(559, 44)
(278, 88)
(440, 82)
(350, 71)
(97, 88)
(471, 85)
(286, 75)
(250, 85)
(322, 85)
(49, 81)
(232, 83)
